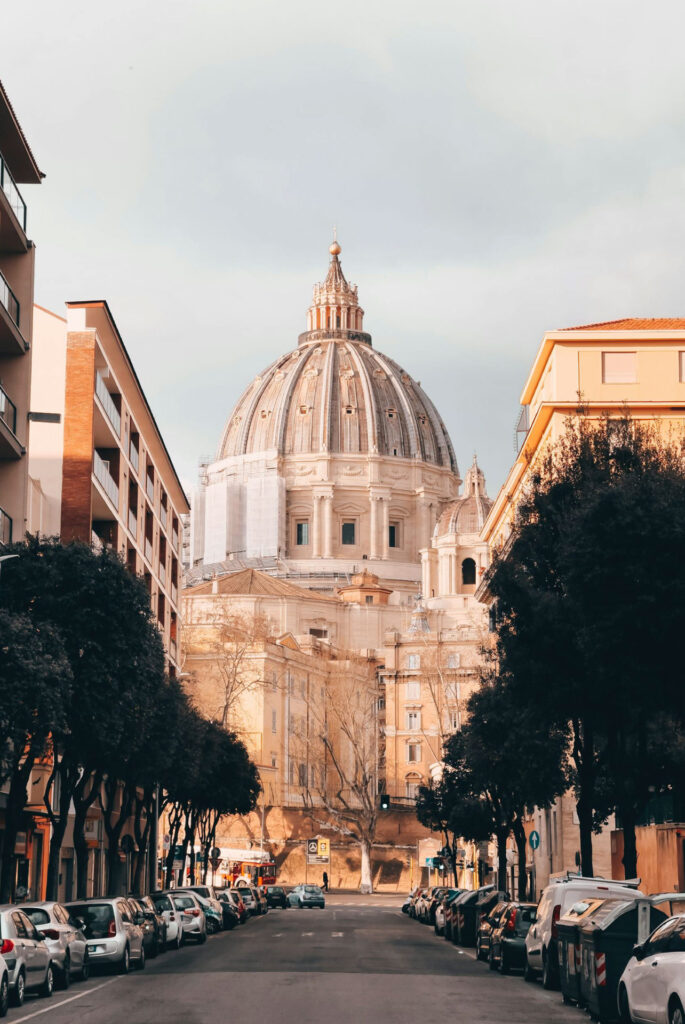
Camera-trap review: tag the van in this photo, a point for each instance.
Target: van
(542, 956)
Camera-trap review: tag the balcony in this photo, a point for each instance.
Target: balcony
(133, 456)
(132, 523)
(162, 574)
(163, 515)
(13, 223)
(174, 540)
(174, 593)
(107, 403)
(173, 649)
(5, 528)
(148, 550)
(150, 489)
(105, 479)
(12, 341)
(10, 445)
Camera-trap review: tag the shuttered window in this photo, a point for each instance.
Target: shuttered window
(619, 367)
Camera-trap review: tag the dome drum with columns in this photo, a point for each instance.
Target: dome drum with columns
(333, 457)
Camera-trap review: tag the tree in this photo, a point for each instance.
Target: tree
(35, 686)
(589, 603)
(339, 755)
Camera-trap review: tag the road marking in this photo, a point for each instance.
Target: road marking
(336, 935)
(56, 1006)
(307, 934)
(278, 935)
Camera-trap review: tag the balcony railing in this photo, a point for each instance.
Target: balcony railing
(107, 403)
(8, 410)
(9, 300)
(132, 523)
(102, 474)
(9, 187)
(5, 527)
(162, 573)
(133, 456)
(150, 489)
(148, 550)
(172, 648)
(162, 515)
(174, 593)
(174, 540)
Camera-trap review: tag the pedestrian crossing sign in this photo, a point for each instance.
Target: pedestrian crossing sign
(324, 849)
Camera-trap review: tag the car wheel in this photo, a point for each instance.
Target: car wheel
(140, 963)
(549, 980)
(64, 976)
(675, 1013)
(85, 969)
(19, 990)
(528, 972)
(48, 985)
(125, 965)
(624, 1014)
(4, 995)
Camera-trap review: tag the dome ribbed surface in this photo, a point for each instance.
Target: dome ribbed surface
(337, 396)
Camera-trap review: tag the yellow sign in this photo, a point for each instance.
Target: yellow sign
(324, 848)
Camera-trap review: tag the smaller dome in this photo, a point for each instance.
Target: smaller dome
(468, 513)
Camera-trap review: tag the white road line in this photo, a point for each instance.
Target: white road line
(278, 935)
(307, 934)
(336, 935)
(56, 1006)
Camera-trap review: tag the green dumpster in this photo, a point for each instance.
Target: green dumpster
(606, 944)
(568, 946)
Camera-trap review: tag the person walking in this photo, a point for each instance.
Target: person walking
(325, 881)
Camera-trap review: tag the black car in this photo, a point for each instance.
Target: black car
(229, 913)
(508, 939)
(488, 923)
(153, 924)
(276, 897)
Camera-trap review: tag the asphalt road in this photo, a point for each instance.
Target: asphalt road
(359, 960)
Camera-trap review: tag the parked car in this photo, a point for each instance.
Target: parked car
(4, 986)
(275, 896)
(485, 926)
(262, 902)
(26, 954)
(174, 929)
(416, 898)
(233, 896)
(230, 914)
(153, 925)
(448, 912)
(214, 915)
(307, 896)
(113, 937)
(193, 920)
(652, 986)
(434, 901)
(440, 909)
(65, 940)
(508, 938)
(249, 899)
(407, 900)
(421, 905)
(542, 955)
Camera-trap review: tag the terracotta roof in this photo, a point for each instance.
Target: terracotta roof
(259, 584)
(16, 149)
(634, 324)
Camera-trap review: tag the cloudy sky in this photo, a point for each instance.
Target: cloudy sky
(495, 169)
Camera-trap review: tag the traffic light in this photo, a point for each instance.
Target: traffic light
(385, 802)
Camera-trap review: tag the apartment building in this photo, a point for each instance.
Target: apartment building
(99, 470)
(17, 259)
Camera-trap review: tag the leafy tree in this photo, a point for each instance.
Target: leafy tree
(35, 685)
(590, 603)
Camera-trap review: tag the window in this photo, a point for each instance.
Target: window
(274, 761)
(291, 773)
(619, 367)
(303, 686)
(468, 571)
(313, 774)
(302, 774)
(303, 533)
(322, 634)
(413, 752)
(453, 660)
(369, 598)
(273, 721)
(413, 689)
(413, 720)
(681, 366)
(411, 786)
(394, 535)
(348, 533)
(453, 721)
(413, 661)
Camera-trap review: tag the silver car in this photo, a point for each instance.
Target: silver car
(193, 920)
(4, 986)
(26, 954)
(248, 898)
(64, 939)
(112, 935)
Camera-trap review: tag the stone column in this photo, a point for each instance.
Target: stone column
(327, 525)
(316, 528)
(373, 528)
(386, 525)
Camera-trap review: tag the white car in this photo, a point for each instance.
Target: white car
(187, 907)
(65, 940)
(542, 955)
(652, 987)
(4, 987)
(174, 929)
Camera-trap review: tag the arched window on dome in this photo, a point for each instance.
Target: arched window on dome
(468, 571)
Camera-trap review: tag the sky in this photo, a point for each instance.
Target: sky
(494, 169)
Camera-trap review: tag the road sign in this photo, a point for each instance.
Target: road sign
(534, 840)
(318, 851)
(324, 849)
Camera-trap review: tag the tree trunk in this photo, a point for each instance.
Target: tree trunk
(584, 752)
(367, 878)
(16, 801)
(520, 840)
(114, 831)
(59, 826)
(584, 810)
(85, 793)
(628, 818)
(502, 835)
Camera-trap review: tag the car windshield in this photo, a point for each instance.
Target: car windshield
(278, 889)
(36, 915)
(162, 903)
(183, 902)
(97, 917)
(202, 890)
(312, 889)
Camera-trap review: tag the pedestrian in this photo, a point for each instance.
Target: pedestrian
(325, 881)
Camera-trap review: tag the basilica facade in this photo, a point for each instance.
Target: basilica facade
(335, 511)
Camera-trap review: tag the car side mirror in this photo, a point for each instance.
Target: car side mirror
(639, 951)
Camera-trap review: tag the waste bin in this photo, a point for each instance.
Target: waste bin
(568, 946)
(469, 913)
(606, 944)
(458, 908)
